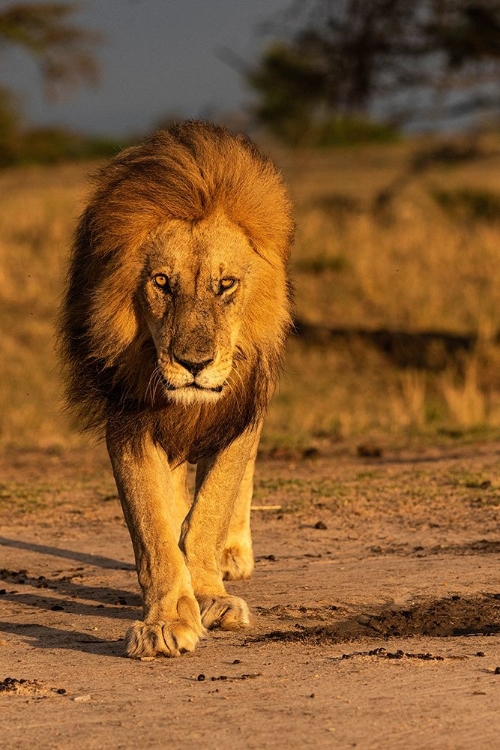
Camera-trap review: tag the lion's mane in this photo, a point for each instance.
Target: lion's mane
(186, 173)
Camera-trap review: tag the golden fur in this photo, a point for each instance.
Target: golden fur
(172, 333)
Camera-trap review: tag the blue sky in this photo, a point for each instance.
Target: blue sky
(158, 57)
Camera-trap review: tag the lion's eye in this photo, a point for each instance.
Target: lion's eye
(226, 284)
(161, 281)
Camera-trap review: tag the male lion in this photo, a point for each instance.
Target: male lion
(172, 331)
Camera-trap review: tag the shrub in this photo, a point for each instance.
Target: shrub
(468, 204)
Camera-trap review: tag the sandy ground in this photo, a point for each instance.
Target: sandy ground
(376, 604)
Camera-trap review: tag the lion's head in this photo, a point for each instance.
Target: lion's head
(177, 303)
(198, 285)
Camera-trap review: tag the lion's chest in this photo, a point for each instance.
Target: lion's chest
(195, 433)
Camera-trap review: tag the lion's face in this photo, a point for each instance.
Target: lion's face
(196, 284)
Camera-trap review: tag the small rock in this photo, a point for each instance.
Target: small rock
(82, 698)
(201, 678)
(320, 525)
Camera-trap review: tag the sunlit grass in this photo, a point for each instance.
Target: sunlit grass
(416, 267)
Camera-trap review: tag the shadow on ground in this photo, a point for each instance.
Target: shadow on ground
(45, 637)
(68, 554)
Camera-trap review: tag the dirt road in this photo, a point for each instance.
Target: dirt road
(376, 603)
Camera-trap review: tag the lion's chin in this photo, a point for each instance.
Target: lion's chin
(192, 394)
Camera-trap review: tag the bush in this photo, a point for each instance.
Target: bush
(344, 130)
(468, 204)
(52, 145)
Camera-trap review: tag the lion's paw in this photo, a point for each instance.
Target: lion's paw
(237, 562)
(169, 639)
(225, 612)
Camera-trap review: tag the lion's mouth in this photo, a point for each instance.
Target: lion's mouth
(195, 386)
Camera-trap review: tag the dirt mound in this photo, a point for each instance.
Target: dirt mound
(454, 616)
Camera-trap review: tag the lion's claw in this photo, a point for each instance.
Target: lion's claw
(225, 612)
(237, 562)
(169, 639)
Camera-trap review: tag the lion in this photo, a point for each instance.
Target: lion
(172, 333)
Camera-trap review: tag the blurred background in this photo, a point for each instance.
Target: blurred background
(384, 116)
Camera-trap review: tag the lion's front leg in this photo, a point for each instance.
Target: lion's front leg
(171, 623)
(205, 530)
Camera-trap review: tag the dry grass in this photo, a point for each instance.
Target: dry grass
(38, 211)
(415, 268)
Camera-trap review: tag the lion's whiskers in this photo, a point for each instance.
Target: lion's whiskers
(152, 387)
(157, 384)
(149, 385)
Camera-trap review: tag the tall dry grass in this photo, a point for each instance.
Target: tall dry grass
(416, 267)
(38, 210)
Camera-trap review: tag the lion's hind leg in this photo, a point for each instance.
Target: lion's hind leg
(223, 483)
(237, 560)
(237, 556)
(224, 612)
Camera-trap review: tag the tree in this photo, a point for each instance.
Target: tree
(10, 122)
(63, 51)
(290, 88)
(352, 56)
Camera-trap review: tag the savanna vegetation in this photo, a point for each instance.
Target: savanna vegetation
(396, 299)
(396, 263)
(399, 297)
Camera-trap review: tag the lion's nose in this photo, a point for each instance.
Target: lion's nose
(194, 366)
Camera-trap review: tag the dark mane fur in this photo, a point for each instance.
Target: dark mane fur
(186, 173)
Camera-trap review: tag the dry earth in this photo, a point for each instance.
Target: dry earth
(376, 602)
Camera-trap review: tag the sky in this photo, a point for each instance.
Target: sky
(158, 58)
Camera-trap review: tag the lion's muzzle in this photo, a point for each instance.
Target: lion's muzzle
(194, 366)
(189, 392)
